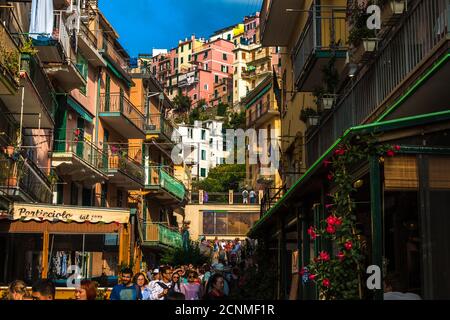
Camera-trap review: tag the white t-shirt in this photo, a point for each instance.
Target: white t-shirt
(157, 289)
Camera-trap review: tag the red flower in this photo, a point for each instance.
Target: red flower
(390, 153)
(328, 206)
(341, 255)
(324, 256)
(348, 245)
(331, 229)
(339, 152)
(330, 177)
(312, 277)
(326, 283)
(397, 148)
(337, 222)
(331, 220)
(312, 233)
(326, 163)
(77, 132)
(302, 272)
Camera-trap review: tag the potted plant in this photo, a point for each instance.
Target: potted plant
(309, 116)
(361, 38)
(331, 80)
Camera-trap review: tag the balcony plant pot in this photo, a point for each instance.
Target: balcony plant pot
(328, 101)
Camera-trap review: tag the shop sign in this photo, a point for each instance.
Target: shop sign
(38, 212)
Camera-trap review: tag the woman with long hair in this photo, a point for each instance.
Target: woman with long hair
(176, 282)
(86, 291)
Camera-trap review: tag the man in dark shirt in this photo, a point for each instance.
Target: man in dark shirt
(127, 290)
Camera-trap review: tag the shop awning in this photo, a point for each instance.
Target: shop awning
(377, 127)
(79, 109)
(67, 214)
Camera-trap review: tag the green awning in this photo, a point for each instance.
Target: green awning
(78, 108)
(112, 67)
(377, 127)
(263, 91)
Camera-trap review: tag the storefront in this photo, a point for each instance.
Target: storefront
(43, 241)
(401, 206)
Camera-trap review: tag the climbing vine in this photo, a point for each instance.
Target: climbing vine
(338, 274)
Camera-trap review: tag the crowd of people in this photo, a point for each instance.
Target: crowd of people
(163, 283)
(229, 252)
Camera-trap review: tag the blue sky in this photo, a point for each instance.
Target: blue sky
(146, 24)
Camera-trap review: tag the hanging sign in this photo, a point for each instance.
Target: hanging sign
(39, 212)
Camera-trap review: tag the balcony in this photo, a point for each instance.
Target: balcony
(162, 130)
(399, 66)
(78, 158)
(116, 62)
(122, 170)
(277, 25)
(325, 36)
(87, 43)
(160, 179)
(56, 53)
(39, 103)
(9, 62)
(159, 235)
(22, 180)
(260, 114)
(121, 115)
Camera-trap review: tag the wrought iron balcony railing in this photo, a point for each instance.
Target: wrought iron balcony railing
(398, 57)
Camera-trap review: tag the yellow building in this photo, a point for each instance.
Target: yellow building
(184, 51)
(301, 73)
(263, 115)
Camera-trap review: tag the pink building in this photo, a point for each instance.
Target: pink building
(251, 28)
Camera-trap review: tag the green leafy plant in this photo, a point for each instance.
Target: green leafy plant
(358, 21)
(338, 276)
(178, 256)
(27, 47)
(10, 60)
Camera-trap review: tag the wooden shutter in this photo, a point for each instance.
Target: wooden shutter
(439, 172)
(400, 173)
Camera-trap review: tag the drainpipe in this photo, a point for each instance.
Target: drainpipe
(97, 105)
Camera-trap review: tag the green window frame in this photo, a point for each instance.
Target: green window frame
(83, 68)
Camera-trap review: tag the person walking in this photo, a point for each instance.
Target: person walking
(43, 290)
(86, 291)
(141, 281)
(161, 288)
(252, 196)
(193, 289)
(245, 196)
(215, 288)
(127, 290)
(17, 290)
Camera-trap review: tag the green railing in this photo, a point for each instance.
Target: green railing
(160, 176)
(117, 102)
(73, 141)
(160, 234)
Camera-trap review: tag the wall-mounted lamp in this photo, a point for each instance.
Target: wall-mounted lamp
(358, 184)
(353, 68)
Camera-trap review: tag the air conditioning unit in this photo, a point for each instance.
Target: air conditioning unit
(150, 127)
